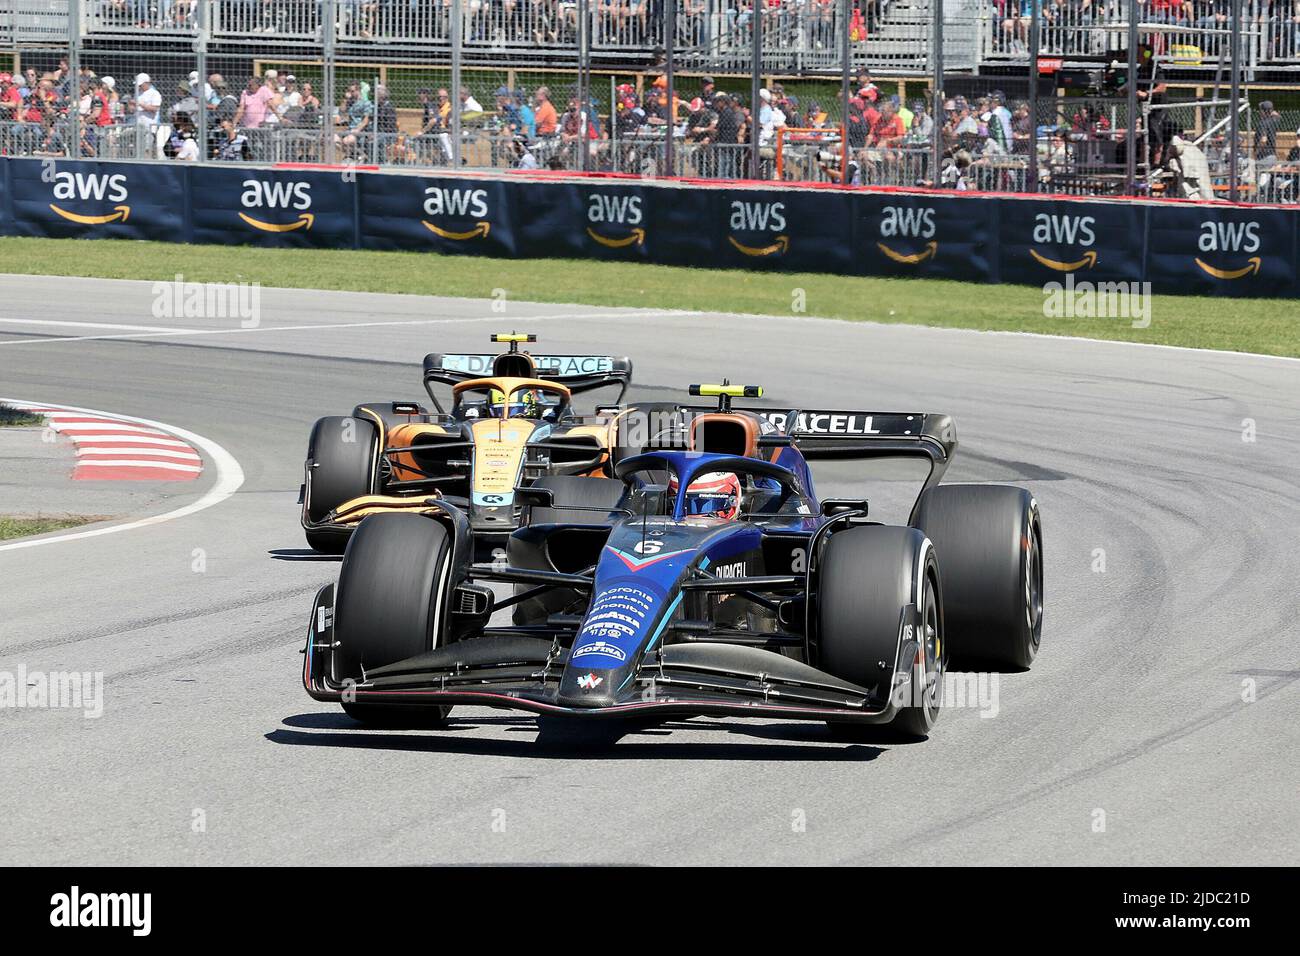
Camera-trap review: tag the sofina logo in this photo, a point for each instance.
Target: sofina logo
(914, 223)
(1241, 238)
(1065, 230)
(621, 212)
(97, 188)
(766, 218)
(281, 197)
(456, 203)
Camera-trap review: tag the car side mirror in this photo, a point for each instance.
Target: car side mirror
(839, 506)
(535, 497)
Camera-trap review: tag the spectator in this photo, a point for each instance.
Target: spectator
(730, 134)
(547, 120)
(148, 102)
(232, 146)
(255, 103)
(1266, 130)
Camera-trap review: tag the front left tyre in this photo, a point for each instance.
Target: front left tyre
(341, 465)
(869, 578)
(390, 605)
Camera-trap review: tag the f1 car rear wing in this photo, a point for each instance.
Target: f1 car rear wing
(578, 373)
(852, 434)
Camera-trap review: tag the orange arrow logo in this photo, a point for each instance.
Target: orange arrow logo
(781, 245)
(306, 220)
(637, 236)
(121, 213)
(1253, 267)
(915, 258)
(480, 229)
(1089, 260)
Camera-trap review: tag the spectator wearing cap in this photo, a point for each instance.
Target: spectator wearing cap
(1266, 130)
(1003, 114)
(148, 102)
(11, 99)
(707, 89)
(732, 132)
(702, 130)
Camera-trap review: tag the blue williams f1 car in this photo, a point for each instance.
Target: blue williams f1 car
(706, 578)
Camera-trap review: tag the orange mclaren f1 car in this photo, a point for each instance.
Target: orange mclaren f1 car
(511, 420)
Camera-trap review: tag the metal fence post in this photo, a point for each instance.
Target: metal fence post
(1234, 111)
(1035, 45)
(457, 7)
(329, 30)
(1131, 84)
(74, 78)
(201, 64)
(846, 55)
(936, 107)
(756, 81)
(670, 37)
(585, 106)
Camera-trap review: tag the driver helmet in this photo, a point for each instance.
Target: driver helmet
(715, 494)
(527, 405)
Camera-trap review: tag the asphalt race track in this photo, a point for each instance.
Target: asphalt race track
(1130, 742)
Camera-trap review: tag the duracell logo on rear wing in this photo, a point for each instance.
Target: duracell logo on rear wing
(813, 423)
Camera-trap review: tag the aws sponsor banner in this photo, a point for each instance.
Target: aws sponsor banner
(74, 199)
(1223, 250)
(615, 222)
(807, 232)
(272, 207)
(1040, 241)
(456, 216)
(925, 235)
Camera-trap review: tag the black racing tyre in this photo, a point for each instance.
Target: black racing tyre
(341, 459)
(989, 540)
(390, 603)
(867, 577)
(569, 490)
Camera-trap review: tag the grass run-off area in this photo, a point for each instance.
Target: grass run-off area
(11, 417)
(1270, 326)
(18, 527)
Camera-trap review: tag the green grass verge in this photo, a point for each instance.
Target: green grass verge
(1270, 326)
(11, 527)
(11, 417)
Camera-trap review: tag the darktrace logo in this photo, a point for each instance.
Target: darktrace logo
(1235, 239)
(456, 203)
(908, 223)
(98, 188)
(76, 909)
(1065, 230)
(277, 197)
(622, 213)
(767, 220)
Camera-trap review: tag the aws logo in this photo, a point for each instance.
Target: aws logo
(904, 222)
(1230, 237)
(621, 212)
(456, 203)
(91, 187)
(759, 217)
(1065, 231)
(277, 196)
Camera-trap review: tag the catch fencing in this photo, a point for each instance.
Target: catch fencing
(974, 95)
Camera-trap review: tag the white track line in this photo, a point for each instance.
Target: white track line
(174, 333)
(230, 476)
